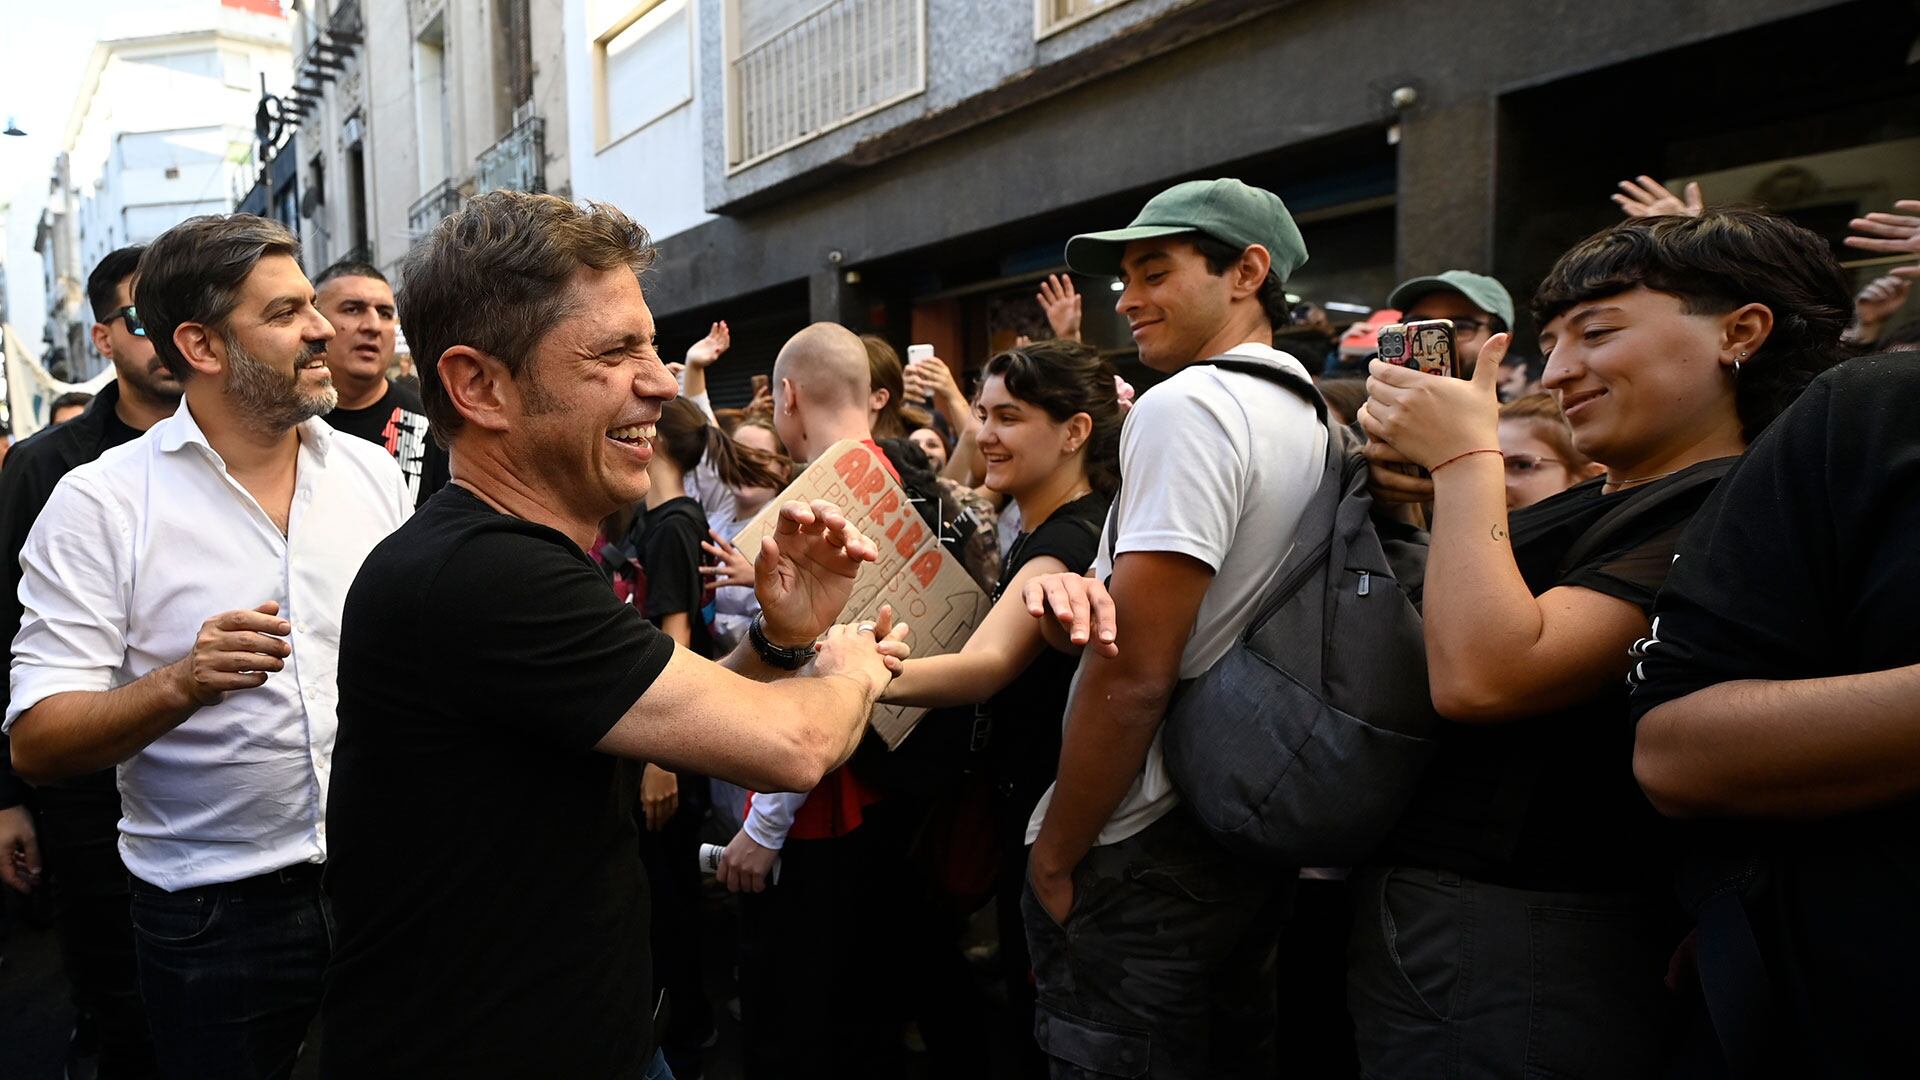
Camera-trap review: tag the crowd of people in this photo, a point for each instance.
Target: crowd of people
(380, 714)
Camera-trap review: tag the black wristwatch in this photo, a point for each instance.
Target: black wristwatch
(777, 656)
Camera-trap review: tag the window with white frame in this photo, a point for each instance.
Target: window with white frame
(1052, 16)
(797, 69)
(642, 63)
(432, 118)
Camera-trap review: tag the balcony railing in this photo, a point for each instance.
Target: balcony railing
(518, 162)
(845, 60)
(430, 209)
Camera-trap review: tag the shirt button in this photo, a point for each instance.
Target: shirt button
(302, 627)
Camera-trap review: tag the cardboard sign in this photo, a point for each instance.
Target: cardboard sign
(926, 586)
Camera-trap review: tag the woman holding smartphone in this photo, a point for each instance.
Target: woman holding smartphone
(1519, 921)
(1050, 433)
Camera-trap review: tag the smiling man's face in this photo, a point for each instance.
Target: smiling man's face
(1173, 304)
(583, 408)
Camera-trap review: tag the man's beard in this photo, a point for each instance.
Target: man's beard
(270, 399)
(153, 383)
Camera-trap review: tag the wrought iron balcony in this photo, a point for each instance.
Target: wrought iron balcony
(846, 59)
(433, 207)
(518, 162)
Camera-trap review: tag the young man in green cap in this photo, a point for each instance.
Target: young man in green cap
(1478, 305)
(1172, 938)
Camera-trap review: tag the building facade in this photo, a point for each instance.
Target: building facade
(404, 107)
(912, 167)
(158, 133)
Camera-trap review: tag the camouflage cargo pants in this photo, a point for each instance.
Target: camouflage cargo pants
(1164, 967)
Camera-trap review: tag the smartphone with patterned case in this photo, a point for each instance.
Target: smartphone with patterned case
(1425, 345)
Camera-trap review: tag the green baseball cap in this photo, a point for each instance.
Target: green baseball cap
(1487, 294)
(1227, 210)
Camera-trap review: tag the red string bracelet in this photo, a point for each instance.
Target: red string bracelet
(1457, 457)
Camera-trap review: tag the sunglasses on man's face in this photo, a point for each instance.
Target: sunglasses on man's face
(133, 320)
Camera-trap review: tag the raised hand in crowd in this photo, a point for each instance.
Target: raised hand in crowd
(1073, 610)
(804, 574)
(731, 568)
(712, 347)
(1890, 234)
(19, 850)
(932, 378)
(762, 395)
(659, 796)
(1061, 302)
(1646, 197)
(1430, 420)
(693, 376)
(1875, 304)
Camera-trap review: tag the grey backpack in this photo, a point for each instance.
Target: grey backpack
(1304, 743)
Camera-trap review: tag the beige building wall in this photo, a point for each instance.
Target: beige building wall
(428, 96)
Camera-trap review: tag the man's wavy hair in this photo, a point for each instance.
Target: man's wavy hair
(1716, 262)
(495, 276)
(194, 273)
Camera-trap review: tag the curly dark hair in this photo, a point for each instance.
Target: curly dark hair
(1716, 262)
(1065, 378)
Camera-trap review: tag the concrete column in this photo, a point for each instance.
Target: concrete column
(831, 299)
(1446, 188)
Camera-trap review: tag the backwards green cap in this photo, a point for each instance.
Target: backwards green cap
(1227, 210)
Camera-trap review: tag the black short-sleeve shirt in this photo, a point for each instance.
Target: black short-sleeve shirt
(398, 422)
(491, 907)
(669, 537)
(1806, 564)
(1026, 714)
(1549, 802)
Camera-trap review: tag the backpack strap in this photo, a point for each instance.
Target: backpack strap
(1298, 386)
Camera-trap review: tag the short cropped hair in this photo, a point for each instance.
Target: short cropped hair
(1714, 263)
(192, 274)
(1273, 291)
(495, 277)
(68, 400)
(350, 268)
(104, 283)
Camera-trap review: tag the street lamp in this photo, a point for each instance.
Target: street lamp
(12, 128)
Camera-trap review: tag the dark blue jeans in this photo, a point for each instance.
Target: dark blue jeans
(231, 972)
(1455, 979)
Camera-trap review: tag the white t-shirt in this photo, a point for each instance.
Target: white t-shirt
(1220, 466)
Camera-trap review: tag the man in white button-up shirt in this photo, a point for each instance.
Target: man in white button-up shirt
(182, 601)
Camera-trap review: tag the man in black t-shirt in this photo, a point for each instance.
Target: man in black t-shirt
(356, 298)
(79, 819)
(476, 943)
(1778, 702)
